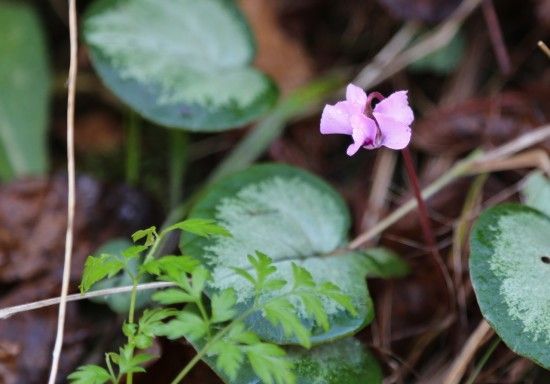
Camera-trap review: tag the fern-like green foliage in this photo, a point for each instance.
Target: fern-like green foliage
(90, 374)
(215, 326)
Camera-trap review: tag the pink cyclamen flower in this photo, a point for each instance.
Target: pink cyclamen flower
(388, 124)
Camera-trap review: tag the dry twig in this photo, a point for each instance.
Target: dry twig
(544, 48)
(476, 340)
(495, 33)
(460, 236)
(7, 312)
(71, 193)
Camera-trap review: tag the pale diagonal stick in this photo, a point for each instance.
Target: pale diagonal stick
(544, 48)
(70, 193)
(475, 341)
(7, 312)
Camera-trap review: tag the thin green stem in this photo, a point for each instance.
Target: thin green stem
(114, 378)
(178, 160)
(209, 344)
(483, 361)
(133, 296)
(131, 312)
(151, 252)
(133, 148)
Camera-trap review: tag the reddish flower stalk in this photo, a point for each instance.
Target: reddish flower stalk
(495, 34)
(425, 223)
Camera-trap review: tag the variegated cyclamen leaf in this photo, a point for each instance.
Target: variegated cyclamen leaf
(510, 270)
(292, 217)
(180, 63)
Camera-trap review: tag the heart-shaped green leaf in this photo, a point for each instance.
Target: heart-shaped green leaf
(341, 361)
(24, 92)
(293, 217)
(180, 63)
(510, 271)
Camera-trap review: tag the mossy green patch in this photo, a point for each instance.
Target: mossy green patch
(344, 361)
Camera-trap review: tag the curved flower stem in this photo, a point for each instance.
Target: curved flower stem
(114, 378)
(425, 223)
(131, 312)
(495, 34)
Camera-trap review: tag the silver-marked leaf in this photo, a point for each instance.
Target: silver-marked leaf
(180, 63)
(24, 91)
(536, 192)
(293, 217)
(510, 271)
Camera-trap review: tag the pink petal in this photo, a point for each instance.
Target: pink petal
(397, 107)
(364, 132)
(395, 134)
(357, 96)
(335, 119)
